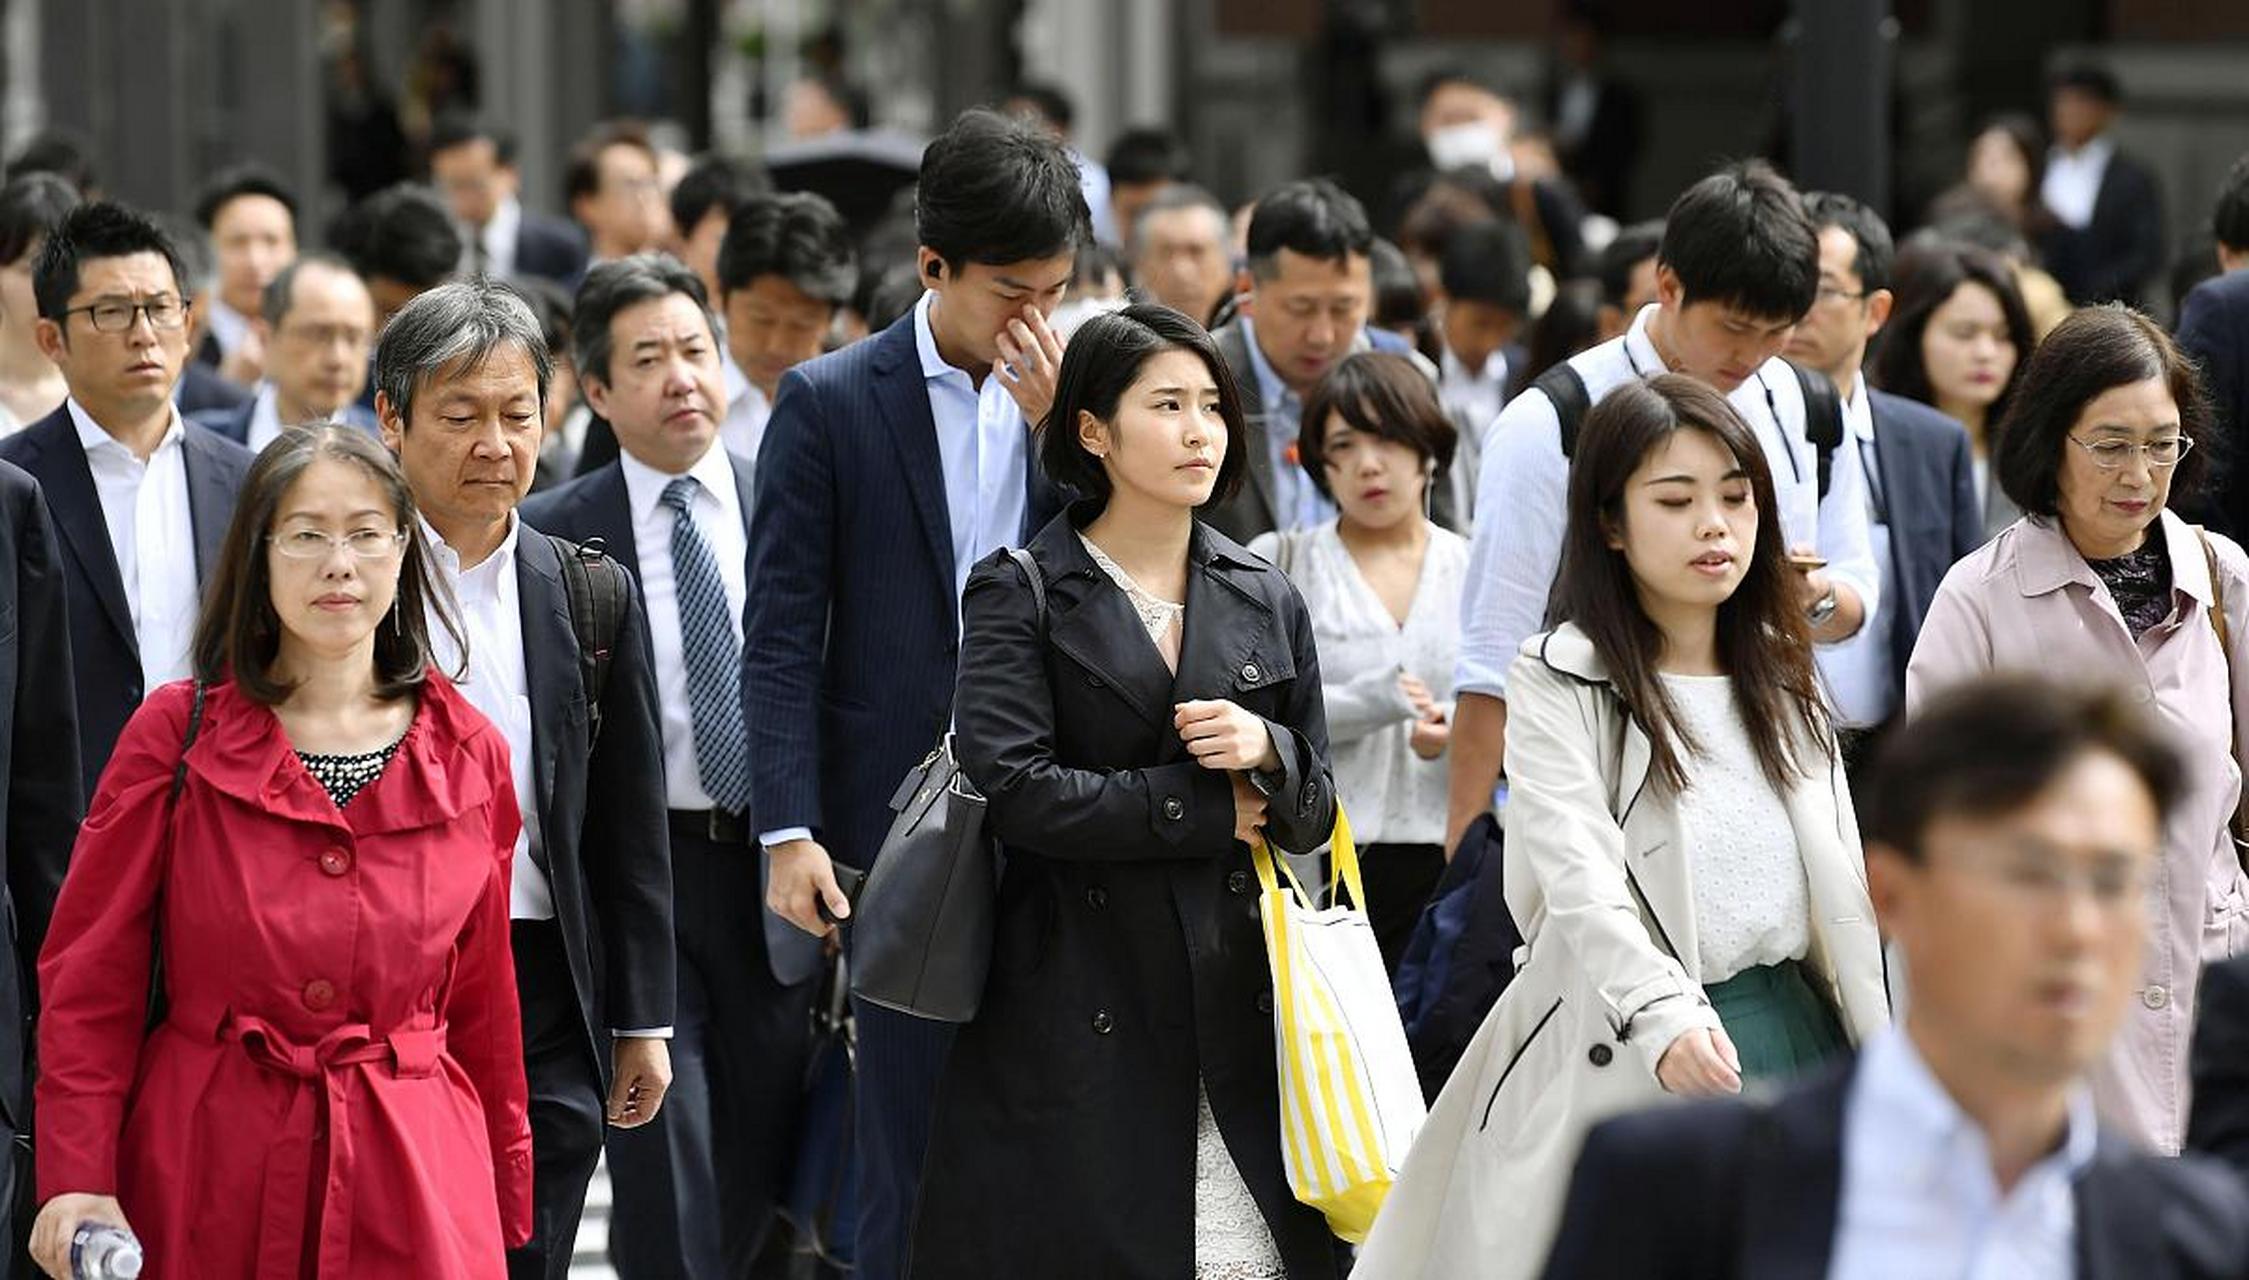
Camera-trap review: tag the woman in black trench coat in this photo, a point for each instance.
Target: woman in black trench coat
(1127, 751)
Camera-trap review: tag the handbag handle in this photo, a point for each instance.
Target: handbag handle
(1343, 866)
(2240, 827)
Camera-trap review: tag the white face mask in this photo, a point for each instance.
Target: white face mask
(1077, 311)
(1475, 145)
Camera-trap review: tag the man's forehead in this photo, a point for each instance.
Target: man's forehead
(504, 371)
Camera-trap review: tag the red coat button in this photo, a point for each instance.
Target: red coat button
(335, 861)
(319, 994)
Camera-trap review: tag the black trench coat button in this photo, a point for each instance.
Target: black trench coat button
(1600, 1055)
(1265, 1002)
(1237, 882)
(1174, 809)
(1097, 898)
(1093, 682)
(1249, 672)
(1103, 1024)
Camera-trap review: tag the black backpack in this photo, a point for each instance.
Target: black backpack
(598, 588)
(1823, 411)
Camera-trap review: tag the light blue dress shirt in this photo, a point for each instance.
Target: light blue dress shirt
(982, 441)
(1296, 503)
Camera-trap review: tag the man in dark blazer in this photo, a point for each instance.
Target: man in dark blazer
(41, 800)
(2214, 329)
(888, 469)
(473, 166)
(316, 327)
(140, 498)
(696, 1190)
(2218, 1125)
(2106, 241)
(1964, 1141)
(461, 374)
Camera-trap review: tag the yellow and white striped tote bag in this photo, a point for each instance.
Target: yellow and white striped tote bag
(1350, 1101)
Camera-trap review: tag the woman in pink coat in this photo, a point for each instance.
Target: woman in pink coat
(336, 1086)
(2101, 581)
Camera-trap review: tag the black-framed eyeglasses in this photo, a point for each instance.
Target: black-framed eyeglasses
(1829, 293)
(164, 312)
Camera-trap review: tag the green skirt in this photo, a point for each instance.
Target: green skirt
(1778, 1023)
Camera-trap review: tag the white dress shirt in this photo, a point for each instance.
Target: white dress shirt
(1297, 503)
(1860, 676)
(722, 522)
(152, 534)
(265, 419)
(1918, 1195)
(1522, 501)
(747, 409)
(497, 685)
(228, 326)
(498, 236)
(2073, 181)
(1474, 396)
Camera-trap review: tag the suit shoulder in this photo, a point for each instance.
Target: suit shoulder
(1913, 416)
(2193, 1188)
(18, 487)
(1674, 1145)
(238, 456)
(549, 509)
(38, 436)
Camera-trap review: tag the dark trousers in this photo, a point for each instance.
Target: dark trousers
(900, 1057)
(697, 1186)
(566, 1101)
(1399, 880)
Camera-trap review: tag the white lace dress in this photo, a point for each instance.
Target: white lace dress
(1232, 1241)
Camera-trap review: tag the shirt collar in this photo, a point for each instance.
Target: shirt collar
(644, 484)
(934, 367)
(1914, 1110)
(1272, 392)
(1494, 370)
(227, 325)
(506, 220)
(2047, 560)
(91, 436)
(1858, 411)
(1639, 348)
(2093, 153)
(493, 567)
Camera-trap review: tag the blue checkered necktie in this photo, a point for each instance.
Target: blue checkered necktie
(714, 657)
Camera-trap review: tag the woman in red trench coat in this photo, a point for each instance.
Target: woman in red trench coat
(336, 1088)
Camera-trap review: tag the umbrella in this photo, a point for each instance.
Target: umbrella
(861, 172)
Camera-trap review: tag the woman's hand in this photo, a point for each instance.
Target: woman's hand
(59, 1220)
(1418, 696)
(1249, 811)
(1221, 735)
(1701, 1063)
(1430, 737)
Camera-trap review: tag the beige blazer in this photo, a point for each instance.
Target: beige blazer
(1596, 877)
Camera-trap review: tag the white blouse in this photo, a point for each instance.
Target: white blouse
(1752, 904)
(1392, 795)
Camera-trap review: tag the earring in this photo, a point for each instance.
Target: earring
(397, 624)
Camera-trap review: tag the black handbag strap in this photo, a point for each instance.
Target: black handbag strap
(179, 771)
(1030, 568)
(158, 1001)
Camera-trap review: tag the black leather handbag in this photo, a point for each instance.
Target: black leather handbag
(921, 937)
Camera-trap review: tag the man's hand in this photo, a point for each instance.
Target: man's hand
(800, 878)
(60, 1219)
(1033, 356)
(643, 1072)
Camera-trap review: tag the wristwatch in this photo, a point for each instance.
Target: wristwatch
(1823, 608)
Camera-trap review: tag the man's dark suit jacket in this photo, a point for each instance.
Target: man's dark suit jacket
(234, 423)
(600, 803)
(105, 655)
(2112, 258)
(1751, 1191)
(41, 800)
(852, 636)
(2218, 1064)
(1928, 490)
(2214, 329)
(598, 506)
(551, 248)
(201, 389)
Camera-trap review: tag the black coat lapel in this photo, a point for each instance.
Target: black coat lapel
(211, 488)
(609, 513)
(550, 658)
(903, 395)
(76, 505)
(1792, 1182)
(1226, 625)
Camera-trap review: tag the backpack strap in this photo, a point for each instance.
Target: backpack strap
(597, 587)
(1823, 419)
(1565, 390)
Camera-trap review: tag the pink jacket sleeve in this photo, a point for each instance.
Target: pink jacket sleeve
(1955, 642)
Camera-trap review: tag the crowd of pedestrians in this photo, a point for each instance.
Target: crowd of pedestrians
(459, 680)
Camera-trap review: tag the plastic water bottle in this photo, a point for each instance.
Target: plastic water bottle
(103, 1252)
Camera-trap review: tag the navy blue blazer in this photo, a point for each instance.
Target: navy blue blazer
(1926, 492)
(2214, 329)
(234, 422)
(597, 505)
(1750, 1191)
(105, 655)
(852, 636)
(201, 389)
(551, 248)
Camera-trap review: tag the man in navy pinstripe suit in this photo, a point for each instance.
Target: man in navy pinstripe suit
(888, 469)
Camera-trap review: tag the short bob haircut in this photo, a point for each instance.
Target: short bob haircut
(1384, 395)
(2093, 350)
(1990, 746)
(238, 635)
(1101, 362)
(1928, 273)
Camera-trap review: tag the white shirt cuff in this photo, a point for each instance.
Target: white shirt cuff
(651, 1033)
(784, 835)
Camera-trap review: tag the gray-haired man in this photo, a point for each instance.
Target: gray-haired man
(460, 377)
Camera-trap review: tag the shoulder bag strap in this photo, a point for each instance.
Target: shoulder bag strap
(1030, 568)
(2224, 631)
(1565, 390)
(158, 1003)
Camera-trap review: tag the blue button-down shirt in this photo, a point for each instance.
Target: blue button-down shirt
(1296, 503)
(982, 441)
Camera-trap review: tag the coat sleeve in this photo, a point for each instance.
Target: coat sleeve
(627, 843)
(1558, 821)
(485, 1021)
(1955, 642)
(1967, 507)
(1300, 813)
(1004, 737)
(95, 967)
(1366, 704)
(45, 800)
(785, 623)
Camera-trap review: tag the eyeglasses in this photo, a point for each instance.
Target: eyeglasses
(163, 311)
(2038, 877)
(312, 544)
(1829, 293)
(2111, 455)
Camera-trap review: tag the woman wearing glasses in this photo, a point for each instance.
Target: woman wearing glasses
(309, 845)
(2099, 581)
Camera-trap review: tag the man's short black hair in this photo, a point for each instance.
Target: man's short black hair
(1053, 105)
(1632, 246)
(797, 236)
(2089, 78)
(230, 185)
(611, 287)
(1876, 251)
(1740, 238)
(1397, 290)
(582, 176)
(90, 231)
(1990, 746)
(1487, 262)
(400, 233)
(1141, 156)
(61, 152)
(994, 190)
(2230, 220)
(459, 128)
(1426, 88)
(31, 207)
(1312, 217)
(714, 182)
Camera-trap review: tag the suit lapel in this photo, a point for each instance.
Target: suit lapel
(902, 394)
(550, 657)
(609, 513)
(745, 487)
(210, 501)
(1792, 1182)
(2119, 1219)
(77, 509)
